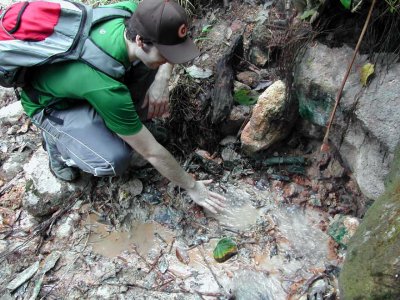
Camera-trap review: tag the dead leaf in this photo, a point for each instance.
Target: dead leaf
(24, 128)
(182, 255)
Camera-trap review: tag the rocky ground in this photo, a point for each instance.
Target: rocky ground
(291, 212)
(139, 237)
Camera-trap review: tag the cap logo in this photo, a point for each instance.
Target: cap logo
(182, 31)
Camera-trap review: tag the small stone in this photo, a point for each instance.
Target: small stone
(167, 216)
(228, 140)
(262, 185)
(292, 190)
(258, 57)
(239, 114)
(152, 199)
(342, 228)
(131, 188)
(66, 227)
(230, 157)
(12, 130)
(14, 165)
(249, 78)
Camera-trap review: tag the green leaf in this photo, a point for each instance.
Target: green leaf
(366, 71)
(243, 97)
(206, 29)
(225, 249)
(346, 3)
(308, 14)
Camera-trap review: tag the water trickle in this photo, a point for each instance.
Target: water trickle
(238, 217)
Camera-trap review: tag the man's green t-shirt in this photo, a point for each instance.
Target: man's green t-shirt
(76, 81)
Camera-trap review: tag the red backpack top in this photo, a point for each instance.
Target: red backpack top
(34, 33)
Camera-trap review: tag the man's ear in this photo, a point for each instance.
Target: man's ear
(139, 41)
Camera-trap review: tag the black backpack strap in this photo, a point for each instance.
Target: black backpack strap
(101, 14)
(32, 93)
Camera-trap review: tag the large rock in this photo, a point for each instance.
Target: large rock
(44, 193)
(372, 264)
(270, 122)
(367, 123)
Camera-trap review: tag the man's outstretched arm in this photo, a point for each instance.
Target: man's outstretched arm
(144, 143)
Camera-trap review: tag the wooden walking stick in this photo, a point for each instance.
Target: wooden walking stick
(325, 145)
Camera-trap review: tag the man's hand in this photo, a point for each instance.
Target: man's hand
(146, 145)
(157, 99)
(209, 200)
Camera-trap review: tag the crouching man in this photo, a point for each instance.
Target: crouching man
(92, 122)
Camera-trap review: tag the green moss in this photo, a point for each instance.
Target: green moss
(29, 185)
(315, 105)
(371, 265)
(305, 112)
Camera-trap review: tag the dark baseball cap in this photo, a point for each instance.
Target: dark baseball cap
(165, 24)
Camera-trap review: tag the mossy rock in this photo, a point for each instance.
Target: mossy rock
(372, 266)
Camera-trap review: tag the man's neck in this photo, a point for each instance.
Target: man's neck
(130, 48)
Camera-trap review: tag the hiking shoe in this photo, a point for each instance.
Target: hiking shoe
(57, 166)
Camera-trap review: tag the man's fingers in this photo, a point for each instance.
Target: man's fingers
(218, 196)
(206, 181)
(150, 111)
(156, 110)
(165, 109)
(215, 205)
(217, 202)
(210, 207)
(162, 109)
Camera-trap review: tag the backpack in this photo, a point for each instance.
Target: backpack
(34, 33)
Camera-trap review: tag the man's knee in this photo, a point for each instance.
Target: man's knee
(120, 161)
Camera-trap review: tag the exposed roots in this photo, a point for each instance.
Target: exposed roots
(189, 124)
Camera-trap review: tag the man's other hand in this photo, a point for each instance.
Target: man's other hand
(204, 197)
(157, 100)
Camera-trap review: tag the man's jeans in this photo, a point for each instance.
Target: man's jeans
(82, 137)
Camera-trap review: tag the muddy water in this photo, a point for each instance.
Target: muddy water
(144, 236)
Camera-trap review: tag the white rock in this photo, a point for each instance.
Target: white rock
(37, 169)
(12, 112)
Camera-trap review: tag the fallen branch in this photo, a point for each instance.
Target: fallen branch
(10, 184)
(325, 146)
(209, 267)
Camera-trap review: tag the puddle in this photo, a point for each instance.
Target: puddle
(145, 236)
